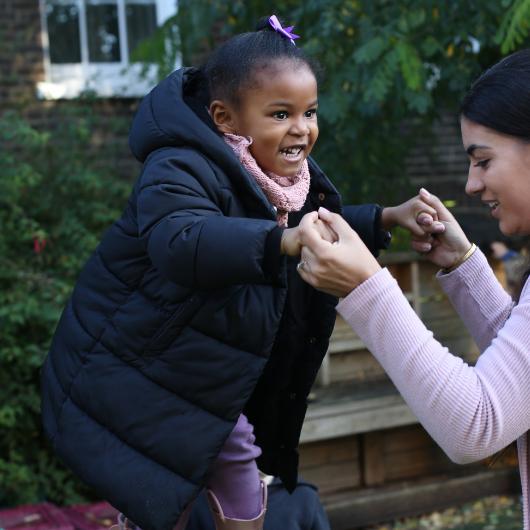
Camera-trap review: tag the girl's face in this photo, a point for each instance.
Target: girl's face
(499, 171)
(279, 112)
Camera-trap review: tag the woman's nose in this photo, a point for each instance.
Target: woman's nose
(474, 183)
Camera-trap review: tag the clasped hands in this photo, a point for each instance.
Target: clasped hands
(334, 259)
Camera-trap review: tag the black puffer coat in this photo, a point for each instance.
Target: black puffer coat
(166, 337)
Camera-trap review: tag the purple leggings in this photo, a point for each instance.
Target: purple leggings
(235, 478)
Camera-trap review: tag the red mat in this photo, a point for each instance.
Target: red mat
(47, 516)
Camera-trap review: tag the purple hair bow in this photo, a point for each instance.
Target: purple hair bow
(286, 32)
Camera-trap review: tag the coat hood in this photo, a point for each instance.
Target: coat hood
(164, 119)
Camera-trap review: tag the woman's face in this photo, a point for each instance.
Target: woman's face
(499, 172)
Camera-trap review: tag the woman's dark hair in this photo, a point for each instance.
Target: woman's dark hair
(231, 68)
(500, 98)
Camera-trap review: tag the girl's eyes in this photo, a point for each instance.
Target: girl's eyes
(482, 163)
(283, 115)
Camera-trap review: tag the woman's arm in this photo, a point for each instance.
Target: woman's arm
(485, 305)
(470, 412)
(478, 297)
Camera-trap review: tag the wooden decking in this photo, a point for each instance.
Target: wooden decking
(349, 408)
(356, 509)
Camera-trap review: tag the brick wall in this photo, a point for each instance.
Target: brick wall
(22, 67)
(21, 60)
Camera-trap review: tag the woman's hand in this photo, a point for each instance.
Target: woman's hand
(406, 216)
(334, 267)
(290, 242)
(443, 249)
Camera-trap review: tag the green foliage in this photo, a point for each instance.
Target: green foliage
(55, 202)
(515, 25)
(387, 64)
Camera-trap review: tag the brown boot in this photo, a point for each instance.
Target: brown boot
(225, 523)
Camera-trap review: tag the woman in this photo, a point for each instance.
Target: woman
(472, 412)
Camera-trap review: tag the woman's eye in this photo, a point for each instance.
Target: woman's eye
(281, 115)
(482, 163)
(311, 113)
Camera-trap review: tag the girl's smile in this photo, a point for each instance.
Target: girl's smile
(279, 112)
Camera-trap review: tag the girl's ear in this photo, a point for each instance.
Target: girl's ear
(223, 116)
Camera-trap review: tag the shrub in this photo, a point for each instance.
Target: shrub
(55, 200)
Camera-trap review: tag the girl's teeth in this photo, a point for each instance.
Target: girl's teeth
(292, 151)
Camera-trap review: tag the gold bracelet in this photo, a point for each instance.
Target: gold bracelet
(459, 262)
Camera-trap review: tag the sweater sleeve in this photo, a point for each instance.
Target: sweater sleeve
(471, 412)
(478, 297)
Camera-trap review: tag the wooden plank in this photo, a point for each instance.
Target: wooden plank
(356, 366)
(332, 465)
(410, 437)
(417, 463)
(332, 478)
(373, 459)
(354, 417)
(329, 451)
(347, 449)
(356, 509)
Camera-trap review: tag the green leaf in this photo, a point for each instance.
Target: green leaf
(515, 27)
(371, 51)
(411, 66)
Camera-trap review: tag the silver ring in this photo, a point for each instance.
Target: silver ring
(301, 265)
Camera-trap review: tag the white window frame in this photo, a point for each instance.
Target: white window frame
(116, 79)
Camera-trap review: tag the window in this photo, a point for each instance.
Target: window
(89, 45)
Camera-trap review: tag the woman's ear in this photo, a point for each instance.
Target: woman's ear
(223, 116)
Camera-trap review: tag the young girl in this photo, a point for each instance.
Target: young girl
(189, 320)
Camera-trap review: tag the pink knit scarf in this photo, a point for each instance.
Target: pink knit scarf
(287, 194)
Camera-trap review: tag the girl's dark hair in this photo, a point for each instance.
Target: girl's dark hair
(231, 68)
(500, 98)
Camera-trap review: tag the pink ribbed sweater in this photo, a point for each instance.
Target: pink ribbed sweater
(471, 412)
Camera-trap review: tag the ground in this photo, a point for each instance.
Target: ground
(490, 513)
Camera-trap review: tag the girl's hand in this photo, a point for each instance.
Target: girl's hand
(290, 242)
(406, 215)
(338, 267)
(443, 249)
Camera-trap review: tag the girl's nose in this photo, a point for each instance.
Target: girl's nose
(474, 184)
(299, 127)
